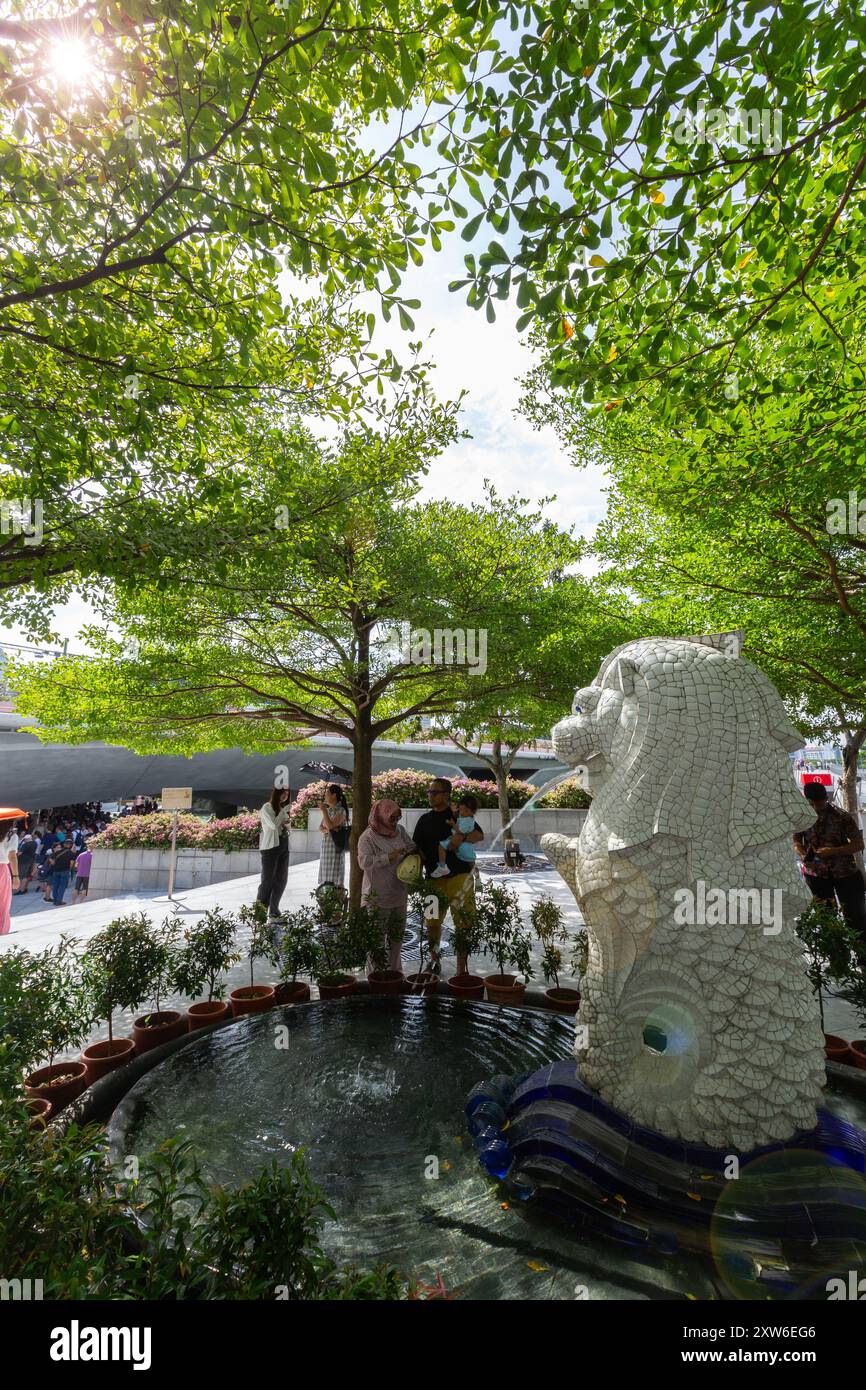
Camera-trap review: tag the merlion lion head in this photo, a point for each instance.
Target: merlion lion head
(698, 1024)
(674, 727)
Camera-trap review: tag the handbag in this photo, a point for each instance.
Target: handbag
(409, 869)
(340, 837)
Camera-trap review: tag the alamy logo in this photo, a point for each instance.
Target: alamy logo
(20, 1290)
(716, 907)
(77, 1343)
(854, 1290)
(417, 646)
(846, 516)
(22, 516)
(737, 126)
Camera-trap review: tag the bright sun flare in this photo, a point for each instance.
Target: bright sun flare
(71, 62)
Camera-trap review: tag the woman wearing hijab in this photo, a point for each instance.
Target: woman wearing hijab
(380, 848)
(9, 882)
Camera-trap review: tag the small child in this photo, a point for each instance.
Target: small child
(466, 808)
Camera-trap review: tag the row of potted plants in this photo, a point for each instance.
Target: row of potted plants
(835, 952)
(494, 924)
(51, 1001)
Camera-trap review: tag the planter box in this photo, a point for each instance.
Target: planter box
(116, 871)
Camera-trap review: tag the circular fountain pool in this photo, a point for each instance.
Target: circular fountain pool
(373, 1090)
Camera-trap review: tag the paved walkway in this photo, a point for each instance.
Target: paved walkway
(36, 925)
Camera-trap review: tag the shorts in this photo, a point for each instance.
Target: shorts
(81, 883)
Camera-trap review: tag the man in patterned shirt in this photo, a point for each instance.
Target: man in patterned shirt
(826, 852)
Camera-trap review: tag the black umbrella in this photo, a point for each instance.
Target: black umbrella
(331, 771)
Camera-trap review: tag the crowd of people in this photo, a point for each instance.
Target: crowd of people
(440, 847)
(48, 852)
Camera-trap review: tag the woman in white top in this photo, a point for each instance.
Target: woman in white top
(274, 849)
(8, 872)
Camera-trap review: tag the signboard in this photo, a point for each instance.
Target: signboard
(176, 798)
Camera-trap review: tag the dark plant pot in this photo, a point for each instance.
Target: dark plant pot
(152, 1030)
(252, 999)
(338, 988)
(565, 1001)
(102, 1057)
(504, 989)
(40, 1112)
(466, 986)
(292, 992)
(200, 1015)
(858, 1053)
(423, 982)
(386, 981)
(837, 1050)
(36, 1084)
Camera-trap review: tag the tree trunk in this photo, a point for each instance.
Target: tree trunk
(362, 798)
(500, 772)
(850, 751)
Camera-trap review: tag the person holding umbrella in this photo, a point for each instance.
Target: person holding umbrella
(9, 882)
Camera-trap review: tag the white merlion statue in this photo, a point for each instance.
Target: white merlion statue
(696, 1017)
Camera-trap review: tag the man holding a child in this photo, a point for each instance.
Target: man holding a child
(444, 840)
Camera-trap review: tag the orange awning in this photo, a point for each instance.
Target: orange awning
(12, 813)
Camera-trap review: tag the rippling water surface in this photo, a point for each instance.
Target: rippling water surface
(373, 1090)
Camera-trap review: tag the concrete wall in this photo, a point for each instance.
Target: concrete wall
(126, 870)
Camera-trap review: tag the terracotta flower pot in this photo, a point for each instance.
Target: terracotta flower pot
(466, 986)
(836, 1049)
(252, 999)
(63, 1091)
(423, 982)
(504, 989)
(292, 992)
(858, 1053)
(565, 1001)
(386, 981)
(211, 1011)
(338, 988)
(102, 1057)
(152, 1030)
(40, 1112)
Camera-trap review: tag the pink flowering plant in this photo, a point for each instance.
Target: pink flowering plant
(154, 832)
(409, 788)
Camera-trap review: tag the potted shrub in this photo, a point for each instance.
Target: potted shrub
(344, 942)
(465, 937)
(423, 981)
(384, 930)
(158, 957)
(297, 952)
(201, 964)
(255, 998)
(114, 970)
(548, 924)
(503, 935)
(55, 1016)
(828, 941)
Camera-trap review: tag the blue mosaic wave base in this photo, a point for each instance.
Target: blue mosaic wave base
(778, 1220)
